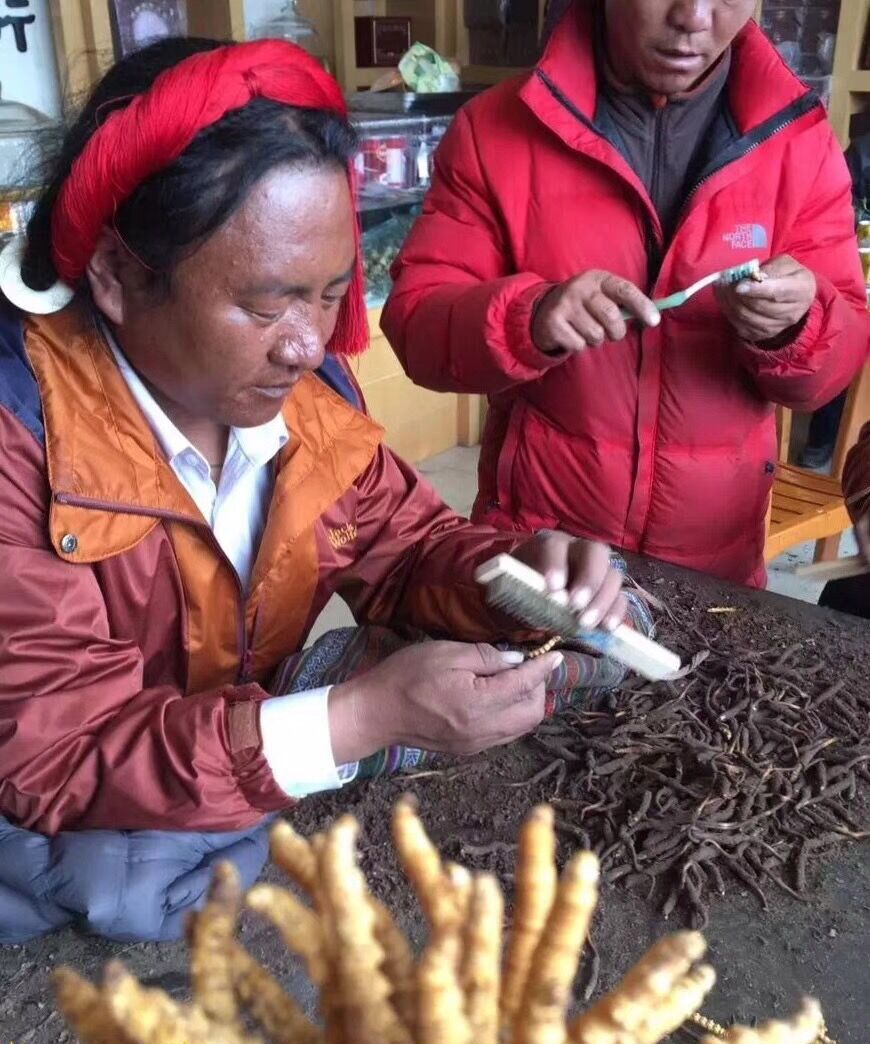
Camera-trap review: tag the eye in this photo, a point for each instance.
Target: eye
(330, 300)
(264, 317)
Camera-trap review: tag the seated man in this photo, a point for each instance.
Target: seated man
(184, 484)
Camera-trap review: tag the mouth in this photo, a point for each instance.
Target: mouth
(276, 391)
(677, 60)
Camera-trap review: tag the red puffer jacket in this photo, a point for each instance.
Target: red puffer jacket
(665, 442)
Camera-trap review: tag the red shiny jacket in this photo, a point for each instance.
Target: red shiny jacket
(665, 442)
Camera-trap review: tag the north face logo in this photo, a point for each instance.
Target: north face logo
(747, 237)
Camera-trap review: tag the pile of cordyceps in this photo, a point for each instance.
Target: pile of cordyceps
(738, 772)
(374, 990)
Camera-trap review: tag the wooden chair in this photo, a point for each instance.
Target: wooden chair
(808, 506)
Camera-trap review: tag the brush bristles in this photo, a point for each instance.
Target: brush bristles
(740, 272)
(529, 607)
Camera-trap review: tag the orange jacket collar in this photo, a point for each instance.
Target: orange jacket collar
(109, 480)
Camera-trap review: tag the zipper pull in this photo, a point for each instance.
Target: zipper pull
(246, 667)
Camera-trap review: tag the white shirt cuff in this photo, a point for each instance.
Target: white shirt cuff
(297, 745)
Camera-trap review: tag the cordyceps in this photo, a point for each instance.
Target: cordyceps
(737, 773)
(372, 990)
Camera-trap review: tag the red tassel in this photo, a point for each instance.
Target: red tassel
(351, 336)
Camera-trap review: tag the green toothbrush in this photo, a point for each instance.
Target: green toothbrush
(749, 270)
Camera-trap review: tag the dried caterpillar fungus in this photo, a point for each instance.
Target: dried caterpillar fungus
(460, 990)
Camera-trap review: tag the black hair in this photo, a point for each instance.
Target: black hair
(173, 211)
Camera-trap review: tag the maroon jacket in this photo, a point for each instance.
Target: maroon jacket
(131, 665)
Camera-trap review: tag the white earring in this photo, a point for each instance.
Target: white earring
(14, 289)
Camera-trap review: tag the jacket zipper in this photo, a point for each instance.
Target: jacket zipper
(653, 245)
(651, 241)
(245, 651)
(777, 123)
(749, 143)
(658, 123)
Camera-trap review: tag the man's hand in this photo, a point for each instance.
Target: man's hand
(444, 696)
(584, 312)
(764, 311)
(579, 572)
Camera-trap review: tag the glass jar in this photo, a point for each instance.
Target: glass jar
(291, 25)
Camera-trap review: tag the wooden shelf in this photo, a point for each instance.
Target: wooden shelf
(858, 81)
(83, 35)
(489, 75)
(485, 75)
(82, 42)
(850, 81)
(364, 77)
(222, 19)
(432, 24)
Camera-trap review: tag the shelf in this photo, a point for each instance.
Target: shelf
(858, 81)
(390, 199)
(365, 77)
(849, 80)
(488, 75)
(431, 24)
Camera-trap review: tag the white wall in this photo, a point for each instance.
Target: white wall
(30, 77)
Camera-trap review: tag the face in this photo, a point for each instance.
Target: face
(666, 46)
(248, 312)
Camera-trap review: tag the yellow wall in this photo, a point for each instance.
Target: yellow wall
(419, 423)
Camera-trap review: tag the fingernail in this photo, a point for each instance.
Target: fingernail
(655, 319)
(557, 579)
(558, 659)
(513, 658)
(611, 623)
(580, 599)
(742, 288)
(589, 620)
(560, 597)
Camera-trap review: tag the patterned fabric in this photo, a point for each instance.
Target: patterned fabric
(583, 678)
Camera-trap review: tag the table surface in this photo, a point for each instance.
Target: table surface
(765, 960)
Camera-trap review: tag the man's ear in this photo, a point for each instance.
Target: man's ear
(106, 274)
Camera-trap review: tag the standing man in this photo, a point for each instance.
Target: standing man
(657, 141)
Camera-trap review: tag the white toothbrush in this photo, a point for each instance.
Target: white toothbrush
(749, 270)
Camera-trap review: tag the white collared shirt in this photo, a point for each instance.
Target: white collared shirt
(295, 728)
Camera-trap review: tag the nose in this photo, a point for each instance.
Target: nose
(302, 344)
(692, 16)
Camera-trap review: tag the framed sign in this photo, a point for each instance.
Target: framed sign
(136, 23)
(28, 63)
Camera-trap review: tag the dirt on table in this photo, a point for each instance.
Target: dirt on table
(765, 959)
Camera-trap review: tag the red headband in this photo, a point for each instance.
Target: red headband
(157, 126)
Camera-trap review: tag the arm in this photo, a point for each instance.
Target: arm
(458, 318)
(415, 558)
(829, 343)
(82, 743)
